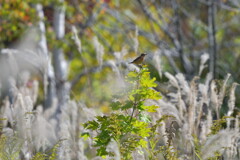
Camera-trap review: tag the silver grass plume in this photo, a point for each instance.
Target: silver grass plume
(232, 99)
(203, 61)
(157, 62)
(76, 39)
(99, 50)
(135, 40)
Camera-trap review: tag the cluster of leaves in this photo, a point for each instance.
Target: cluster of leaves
(131, 126)
(15, 15)
(219, 124)
(167, 151)
(128, 125)
(50, 155)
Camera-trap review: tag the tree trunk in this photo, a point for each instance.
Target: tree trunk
(48, 73)
(59, 63)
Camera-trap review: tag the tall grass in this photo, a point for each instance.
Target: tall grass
(197, 129)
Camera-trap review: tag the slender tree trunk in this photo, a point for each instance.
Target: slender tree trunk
(212, 38)
(59, 62)
(48, 73)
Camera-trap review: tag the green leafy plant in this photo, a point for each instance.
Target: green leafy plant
(128, 124)
(50, 155)
(218, 125)
(167, 151)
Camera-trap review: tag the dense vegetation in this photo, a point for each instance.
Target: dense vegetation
(68, 91)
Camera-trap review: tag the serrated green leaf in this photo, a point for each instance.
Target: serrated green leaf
(101, 118)
(128, 104)
(91, 125)
(132, 74)
(85, 135)
(115, 105)
(151, 108)
(102, 152)
(131, 97)
(143, 143)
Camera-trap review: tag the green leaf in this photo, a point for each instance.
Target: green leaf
(141, 128)
(102, 152)
(132, 74)
(131, 97)
(146, 80)
(151, 108)
(115, 105)
(102, 118)
(128, 104)
(85, 135)
(143, 143)
(132, 77)
(93, 125)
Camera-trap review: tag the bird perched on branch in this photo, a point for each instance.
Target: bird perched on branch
(139, 59)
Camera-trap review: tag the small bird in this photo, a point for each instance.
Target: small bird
(139, 59)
